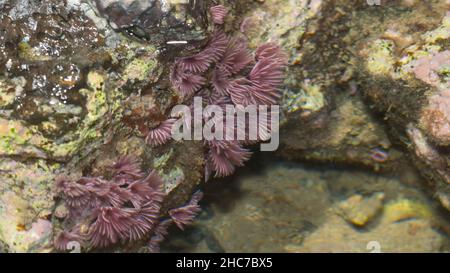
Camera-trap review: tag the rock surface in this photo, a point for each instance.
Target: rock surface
(157, 20)
(74, 97)
(362, 93)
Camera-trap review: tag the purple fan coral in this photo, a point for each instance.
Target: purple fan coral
(161, 134)
(159, 234)
(111, 225)
(127, 168)
(63, 240)
(183, 216)
(226, 72)
(218, 14)
(123, 208)
(225, 156)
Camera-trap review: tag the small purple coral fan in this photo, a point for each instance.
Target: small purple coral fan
(124, 208)
(181, 217)
(218, 14)
(161, 134)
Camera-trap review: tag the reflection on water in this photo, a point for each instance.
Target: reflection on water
(278, 206)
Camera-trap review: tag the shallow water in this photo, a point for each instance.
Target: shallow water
(280, 206)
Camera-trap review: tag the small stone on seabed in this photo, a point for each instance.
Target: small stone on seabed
(360, 210)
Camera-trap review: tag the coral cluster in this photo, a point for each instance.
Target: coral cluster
(226, 73)
(124, 208)
(161, 134)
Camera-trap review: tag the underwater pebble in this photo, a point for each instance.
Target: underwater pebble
(360, 210)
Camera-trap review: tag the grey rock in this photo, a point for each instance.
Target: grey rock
(157, 20)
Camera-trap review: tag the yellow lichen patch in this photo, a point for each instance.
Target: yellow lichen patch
(441, 33)
(380, 59)
(99, 102)
(310, 98)
(142, 68)
(29, 53)
(95, 80)
(7, 93)
(314, 99)
(404, 209)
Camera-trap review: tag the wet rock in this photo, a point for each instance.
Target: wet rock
(157, 20)
(311, 209)
(46, 51)
(325, 119)
(407, 82)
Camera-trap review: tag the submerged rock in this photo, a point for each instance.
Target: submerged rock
(336, 236)
(286, 207)
(359, 210)
(405, 225)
